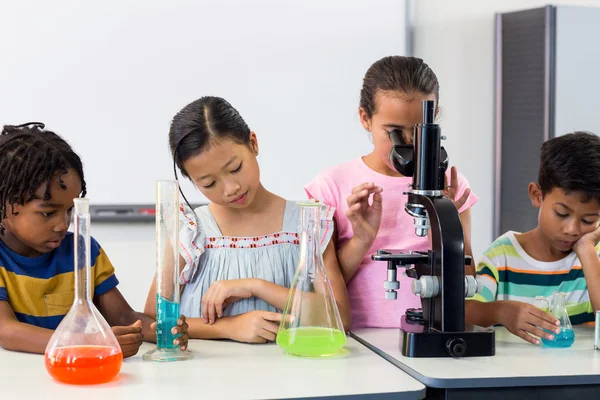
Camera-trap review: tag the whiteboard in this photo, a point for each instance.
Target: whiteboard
(109, 76)
(576, 68)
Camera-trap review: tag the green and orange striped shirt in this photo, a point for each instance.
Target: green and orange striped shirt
(507, 272)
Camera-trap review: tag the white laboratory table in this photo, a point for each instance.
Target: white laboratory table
(222, 370)
(519, 370)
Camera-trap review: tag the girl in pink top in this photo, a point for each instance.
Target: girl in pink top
(368, 193)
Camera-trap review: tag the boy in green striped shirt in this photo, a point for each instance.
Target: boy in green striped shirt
(561, 254)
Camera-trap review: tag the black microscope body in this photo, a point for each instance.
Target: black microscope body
(438, 329)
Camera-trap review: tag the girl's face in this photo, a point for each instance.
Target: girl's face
(39, 225)
(394, 110)
(227, 172)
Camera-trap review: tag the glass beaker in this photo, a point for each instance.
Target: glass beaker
(167, 274)
(558, 309)
(83, 349)
(311, 325)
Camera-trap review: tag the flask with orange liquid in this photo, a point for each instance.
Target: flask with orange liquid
(83, 349)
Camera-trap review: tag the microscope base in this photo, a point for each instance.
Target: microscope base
(419, 341)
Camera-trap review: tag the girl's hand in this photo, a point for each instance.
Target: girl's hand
(223, 293)
(451, 191)
(254, 326)
(364, 217)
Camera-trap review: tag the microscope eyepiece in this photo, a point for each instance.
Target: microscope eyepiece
(401, 153)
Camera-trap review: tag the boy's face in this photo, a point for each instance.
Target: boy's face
(40, 226)
(564, 217)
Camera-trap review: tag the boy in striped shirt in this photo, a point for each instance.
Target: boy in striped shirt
(561, 254)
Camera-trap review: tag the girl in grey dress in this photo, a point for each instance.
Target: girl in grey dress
(240, 252)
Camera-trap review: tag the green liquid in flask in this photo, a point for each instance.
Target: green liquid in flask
(311, 341)
(168, 314)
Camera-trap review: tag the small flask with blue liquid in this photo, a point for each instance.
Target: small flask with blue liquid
(558, 309)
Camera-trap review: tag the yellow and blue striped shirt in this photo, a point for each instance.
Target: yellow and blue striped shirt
(507, 272)
(41, 290)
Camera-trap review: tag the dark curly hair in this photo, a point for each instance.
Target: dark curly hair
(29, 158)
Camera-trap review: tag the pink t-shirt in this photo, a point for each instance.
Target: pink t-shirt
(365, 289)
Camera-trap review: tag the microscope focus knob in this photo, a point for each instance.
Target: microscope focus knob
(426, 286)
(471, 286)
(391, 295)
(391, 285)
(456, 347)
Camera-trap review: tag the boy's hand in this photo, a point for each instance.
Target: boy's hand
(254, 326)
(129, 337)
(181, 329)
(364, 217)
(451, 191)
(222, 293)
(590, 240)
(524, 320)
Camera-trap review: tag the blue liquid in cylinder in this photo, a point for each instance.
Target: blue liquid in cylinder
(166, 319)
(565, 338)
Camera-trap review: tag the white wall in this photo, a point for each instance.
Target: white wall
(576, 94)
(456, 38)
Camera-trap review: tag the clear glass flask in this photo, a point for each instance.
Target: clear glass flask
(167, 274)
(557, 308)
(83, 349)
(311, 325)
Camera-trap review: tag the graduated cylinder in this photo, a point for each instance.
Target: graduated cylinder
(167, 273)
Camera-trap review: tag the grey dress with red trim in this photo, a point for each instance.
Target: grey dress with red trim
(211, 257)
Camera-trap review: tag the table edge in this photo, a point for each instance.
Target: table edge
(462, 383)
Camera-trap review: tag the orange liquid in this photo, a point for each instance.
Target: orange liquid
(84, 365)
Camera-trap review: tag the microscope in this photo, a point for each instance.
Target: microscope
(437, 329)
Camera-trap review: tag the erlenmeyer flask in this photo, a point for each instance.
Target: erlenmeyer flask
(83, 349)
(557, 308)
(167, 273)
(311, 325)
